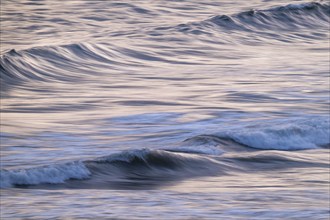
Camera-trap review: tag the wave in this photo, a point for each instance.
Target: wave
(57, 173)
(132, 165)
(272, 23)
(53, 63)
(86, 61)
(234, 150)
(146, 168)
(284, 134)
(290, 17)
(78, 62)
(281, 134)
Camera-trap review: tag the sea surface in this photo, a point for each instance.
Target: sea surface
(165, 109)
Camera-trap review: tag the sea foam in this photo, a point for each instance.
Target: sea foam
(284, 134)
(56, 173)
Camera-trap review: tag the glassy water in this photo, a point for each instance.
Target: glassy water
(165, 109)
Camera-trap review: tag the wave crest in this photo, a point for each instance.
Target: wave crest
(290, 17)
(287, 18)
(283, 134)
(144, 164)
(234, 150)
(58, 173)
(45, 63)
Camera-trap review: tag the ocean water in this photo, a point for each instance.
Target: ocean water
(165, 109)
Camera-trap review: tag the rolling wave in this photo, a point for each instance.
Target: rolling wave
(56, 63)
(289, 17)
(283, 134)
(57, 173)
(233, 151)
(281, 23)
(133, 165)
(147, 168)
(73, 62)
(65, 63)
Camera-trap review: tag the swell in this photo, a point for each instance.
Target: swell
(289, 17)
(85, 61)
(282, 23)
(75, 63)
(54, 64)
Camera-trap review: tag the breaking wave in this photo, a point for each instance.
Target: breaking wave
(144, 164)
(203, 155)
(46, 174)
(284, 134)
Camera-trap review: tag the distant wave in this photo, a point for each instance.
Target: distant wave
(56, 63)
(234, 150)
(289, 18)
(73, 62)
(65, 63)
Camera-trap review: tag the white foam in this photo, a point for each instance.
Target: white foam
(48, 174)
(284, 134)
(209, 150)
(201, 144)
